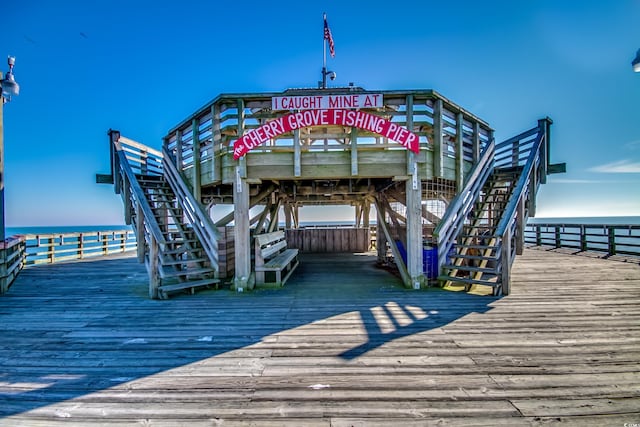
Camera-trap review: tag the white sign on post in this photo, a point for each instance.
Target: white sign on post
(327, 102)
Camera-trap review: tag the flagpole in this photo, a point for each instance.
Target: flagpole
(324, 53)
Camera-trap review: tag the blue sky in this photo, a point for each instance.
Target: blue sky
(143, 66)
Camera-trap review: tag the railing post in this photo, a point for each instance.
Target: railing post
(611, 231)
(154, 281)
(558, 237)
(81, 245)
(505, 260)
(520, 227)
(4, 280)
(52, 249)
(583, 238)
(438, 151)
(105, 244)
(538, 235)
(140, 232)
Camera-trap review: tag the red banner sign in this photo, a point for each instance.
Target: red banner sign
(308, 118)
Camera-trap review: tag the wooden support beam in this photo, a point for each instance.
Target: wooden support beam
(382, 226)
(438, 148)
(476, 142)
(153, 268)
(242, 279)
(459, 152)
(366, 211)
(520, 225)
(414, 213)
(381, 238)
(179, 150)
(197, 166)
(214, 168)
(354, 151)
(140, 238)
(297, 168)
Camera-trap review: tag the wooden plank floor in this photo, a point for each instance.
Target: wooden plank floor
(341, 345)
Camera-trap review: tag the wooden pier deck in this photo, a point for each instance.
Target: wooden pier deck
(343, 344)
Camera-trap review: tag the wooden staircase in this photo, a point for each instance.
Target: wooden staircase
(474, 261)
(483, 228)
(176, 239)
(183, 264)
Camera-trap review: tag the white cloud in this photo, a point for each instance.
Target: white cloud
(622, 166)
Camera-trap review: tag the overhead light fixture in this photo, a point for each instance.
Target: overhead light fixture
(636, 62)
(9, 85)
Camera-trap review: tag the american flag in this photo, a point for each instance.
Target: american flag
(329, 37)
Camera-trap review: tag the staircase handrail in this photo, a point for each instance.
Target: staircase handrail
(137, 195)
(451, 224)
(203, 226)
(533, 160)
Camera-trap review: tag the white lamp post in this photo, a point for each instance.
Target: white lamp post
(9, 89)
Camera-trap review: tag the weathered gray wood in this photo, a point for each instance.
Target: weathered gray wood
(345, 345)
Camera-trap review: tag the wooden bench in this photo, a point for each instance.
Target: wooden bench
(272, 256)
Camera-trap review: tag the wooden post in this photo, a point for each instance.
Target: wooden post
(505, 259)
(459, 152)
(438, 152)
(81, 245)
(354, 151)
(140, 232)
(520, 224)
(154, 281)
(583, 238)
(4, 273)
(366, 211)
(242, 236)
(381, 240)
(297, 169)
(611, 232)
(476, 142)
(52, 249)
(105, 244)
(179, 150)
(558, 237)
(538, 235)
(358, 209)
(287, 216)
(197, 167)
(414, 213)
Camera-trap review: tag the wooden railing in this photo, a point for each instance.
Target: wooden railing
(607, 239)
(57, 247)
(528, 153)
(202, 224)
(12, 260)
(26, 250)
(451, 224)
(128, 156)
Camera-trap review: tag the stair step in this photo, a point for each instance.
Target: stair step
(462, 245)
(165, 290)
(472, 257)
(469, 268)
(468, 281)
(182, 250)
(183, 261)
(187, 272)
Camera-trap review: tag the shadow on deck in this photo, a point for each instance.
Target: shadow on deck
(343, 341)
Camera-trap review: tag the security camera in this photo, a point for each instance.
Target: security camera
(332, 75)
